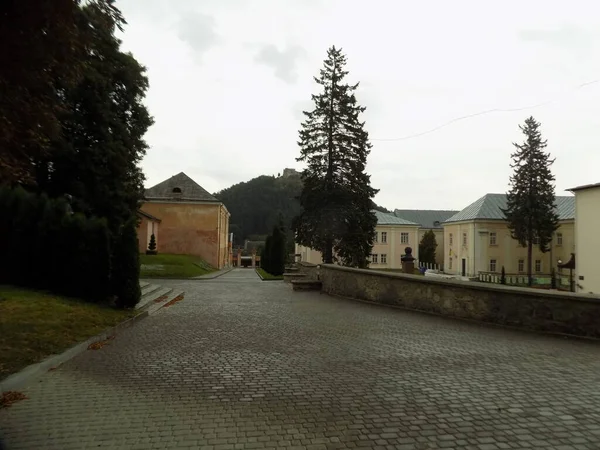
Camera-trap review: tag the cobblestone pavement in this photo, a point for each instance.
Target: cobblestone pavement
(242, 364)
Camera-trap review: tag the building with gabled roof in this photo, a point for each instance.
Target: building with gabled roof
(429, 219)
(477, 240)
(191, 221)
(392, 235)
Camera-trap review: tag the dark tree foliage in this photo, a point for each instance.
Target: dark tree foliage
(265, 257)
(103, 123)
(40, 57)
(152, 245)
(427, 247)
(277, 252)
(531, 208)
(503, 276)
(336, 198)
(126, 262)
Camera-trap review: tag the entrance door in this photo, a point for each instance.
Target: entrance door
(464, 267)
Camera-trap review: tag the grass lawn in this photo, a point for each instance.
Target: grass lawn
(36, 325)
(173, 266)
(267, 276)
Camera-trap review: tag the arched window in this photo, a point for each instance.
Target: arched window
(176, 190)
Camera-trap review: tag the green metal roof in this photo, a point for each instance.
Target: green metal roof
(427, 218)
(390, 219)
(489, 207)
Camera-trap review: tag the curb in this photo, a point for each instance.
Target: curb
(33, 371)
(266, 279)
(199, 278)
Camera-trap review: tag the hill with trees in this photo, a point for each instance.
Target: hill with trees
(257, 205)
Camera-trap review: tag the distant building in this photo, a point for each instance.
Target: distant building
(429, 219)
(477, 239)
(393, 235)
(186, 219)
(587, 238)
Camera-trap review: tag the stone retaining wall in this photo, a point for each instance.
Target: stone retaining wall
(310, 270)
(541, 310)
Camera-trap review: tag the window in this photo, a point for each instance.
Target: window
(176, 190)
(450, 238)
(383, 237)
(404, 238)
(558, 238)
(492, 265)
(493, 238)
(521, 266)
(464, 239)
(538, 265)
(374, 258)
(376, 235)
(450, 262)
(383, 258)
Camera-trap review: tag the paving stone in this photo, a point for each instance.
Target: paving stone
(243, 364)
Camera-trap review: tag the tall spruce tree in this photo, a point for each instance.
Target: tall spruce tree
(336, 215)
(531, 208)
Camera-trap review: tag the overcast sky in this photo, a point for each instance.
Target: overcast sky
(229, 79)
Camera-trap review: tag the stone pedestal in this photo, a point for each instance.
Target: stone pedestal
(408, 261)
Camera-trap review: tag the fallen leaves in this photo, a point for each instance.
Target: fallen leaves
(162, 298)
(99, 344)
(175, 300)
(10, 397)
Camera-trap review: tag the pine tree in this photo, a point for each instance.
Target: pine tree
(531, 209)
(427, 247)
(503, 276)
(265, 257)
(152, 245)
(336, 215)
(277, 251)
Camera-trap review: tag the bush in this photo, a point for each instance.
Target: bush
(265, 256)
(277, 255)
(503, 276)
(126, 267)
(152, 246)
(44, 246)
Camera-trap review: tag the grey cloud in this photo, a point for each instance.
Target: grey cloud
(199, 31)
(566, 36)
(283, 62)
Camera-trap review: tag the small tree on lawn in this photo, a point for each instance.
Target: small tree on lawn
(265, 257)
(152, 246)
(126, 267)
(503, 276)
(278, 251)
(531, 209)
(427, 247)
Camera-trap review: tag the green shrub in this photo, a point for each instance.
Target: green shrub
(126, 267)
(152, 246)
(277, 254)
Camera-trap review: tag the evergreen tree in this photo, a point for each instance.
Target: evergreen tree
(427, 247)
(531, 209)
(103, 122)
(278, 251)
(126, 262)
(265, 257)
(503, 276)
(152, 245)
(336, 215)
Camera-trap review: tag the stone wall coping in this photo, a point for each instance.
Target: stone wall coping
(541, 293)
(307, 264)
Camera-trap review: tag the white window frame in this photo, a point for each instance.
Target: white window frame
(559, 239)
(538, 263)
(465, 239)
(493, 238)
(493, 265)
(384, 258)
(404, 237)
(374, 258)
(450, 238)
(521, 266)
(450, 263)
(384, 237)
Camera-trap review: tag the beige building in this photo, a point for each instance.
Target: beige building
(587, 238)
(191, 221)
(477, 240)
(428, 219)
(393, 235)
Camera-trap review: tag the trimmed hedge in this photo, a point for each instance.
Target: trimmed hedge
(44, 245)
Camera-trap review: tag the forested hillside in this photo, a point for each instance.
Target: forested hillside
(257, 205)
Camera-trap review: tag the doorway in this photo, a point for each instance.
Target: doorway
(464, 267)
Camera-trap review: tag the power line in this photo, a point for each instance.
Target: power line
(481, 113)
